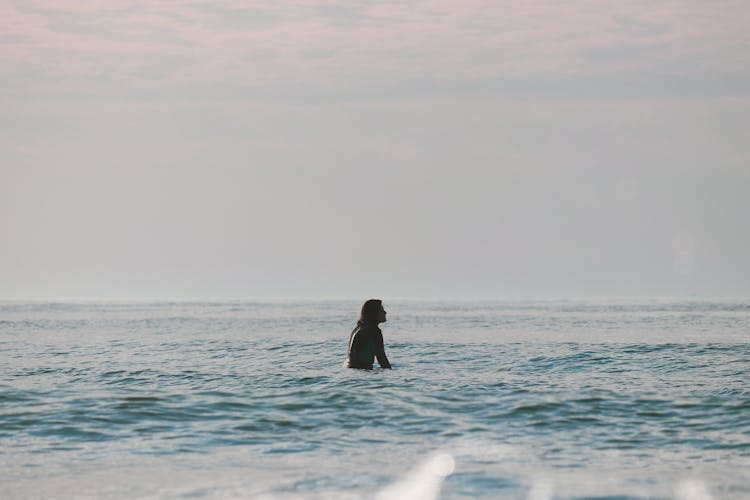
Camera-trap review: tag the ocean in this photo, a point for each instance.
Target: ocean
(487, 399)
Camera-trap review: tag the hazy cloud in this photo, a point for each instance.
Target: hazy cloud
(334, 45)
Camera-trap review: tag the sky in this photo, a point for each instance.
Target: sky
(330, 149)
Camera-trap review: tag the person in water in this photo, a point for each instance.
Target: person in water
(366, 340)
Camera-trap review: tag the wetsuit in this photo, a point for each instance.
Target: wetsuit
(366, 343)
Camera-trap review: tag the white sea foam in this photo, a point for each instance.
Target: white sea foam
(542, 489)
(692, 490)
(422, 483)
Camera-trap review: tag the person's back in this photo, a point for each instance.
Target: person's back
(366, 343)
(366, 340)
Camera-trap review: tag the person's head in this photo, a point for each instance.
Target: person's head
(372, 312)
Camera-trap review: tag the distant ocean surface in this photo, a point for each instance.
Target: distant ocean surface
(528, 400)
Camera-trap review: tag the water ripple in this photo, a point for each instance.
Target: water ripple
(512, 391)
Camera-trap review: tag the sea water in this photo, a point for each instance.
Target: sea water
(496, 399)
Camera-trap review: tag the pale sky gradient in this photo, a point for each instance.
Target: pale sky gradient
(374, 149)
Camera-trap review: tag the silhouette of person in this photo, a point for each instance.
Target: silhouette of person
(366, 340)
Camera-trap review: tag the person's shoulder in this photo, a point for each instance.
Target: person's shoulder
(369, 328)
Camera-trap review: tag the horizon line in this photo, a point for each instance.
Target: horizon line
(385, 298)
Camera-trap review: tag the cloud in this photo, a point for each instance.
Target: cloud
(334, 46)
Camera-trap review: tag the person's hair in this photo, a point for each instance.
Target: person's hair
(371, 311)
